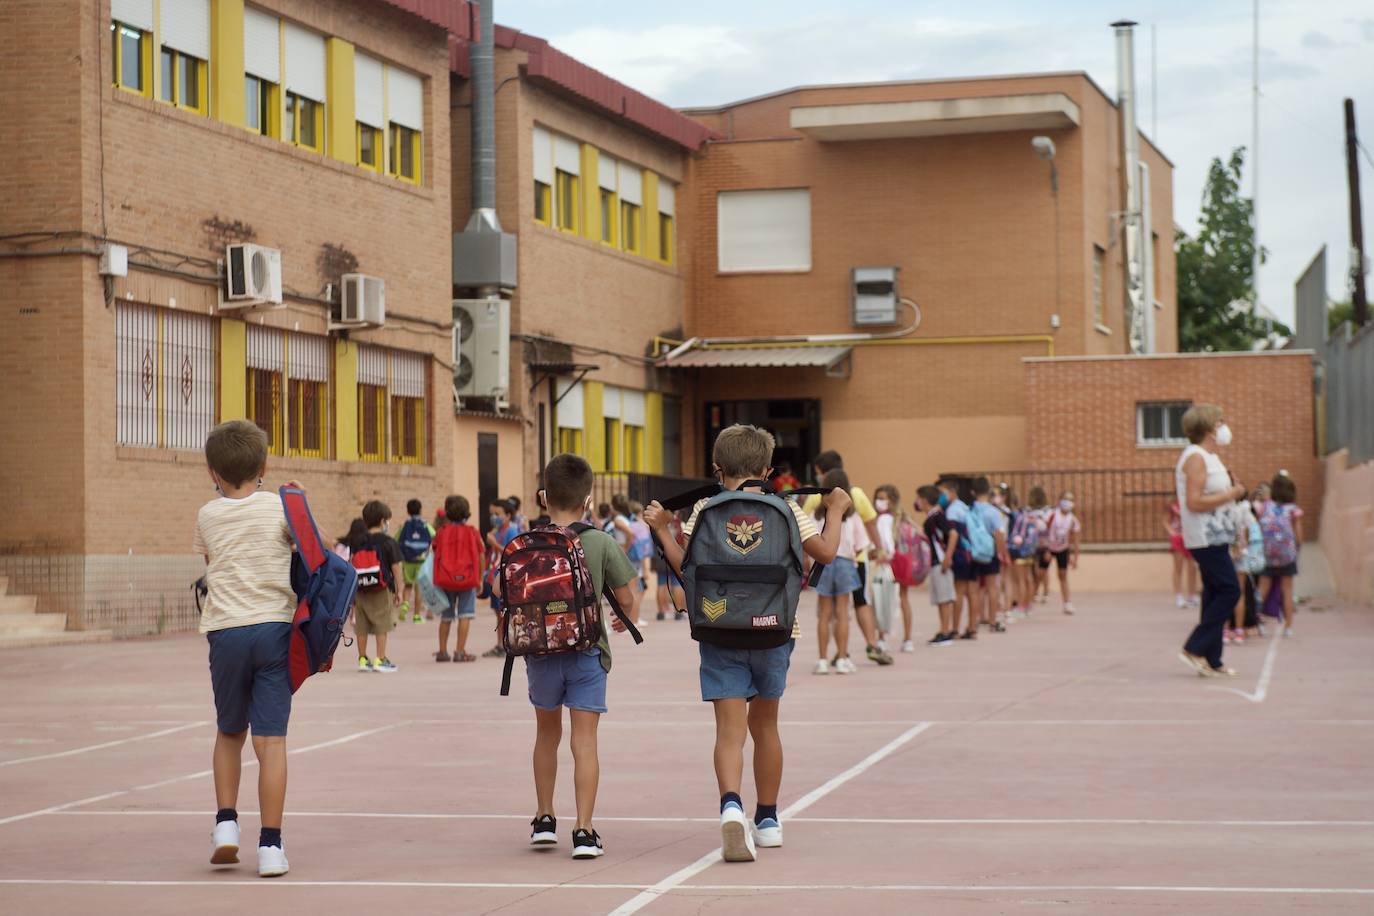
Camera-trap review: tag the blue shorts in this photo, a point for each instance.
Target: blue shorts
(249, 674)
(461, 605)
(840, 577)
(991, 568)
(728, 674)
(668, 578)
(572, 679)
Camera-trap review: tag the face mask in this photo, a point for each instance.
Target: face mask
(1223, 435)
(880, 505)
(1066, 505)
(386, 526)
(494, 520)
(944, 500)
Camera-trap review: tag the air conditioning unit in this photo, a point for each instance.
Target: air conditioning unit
(481, 349)
(253, 275)
(363, 301)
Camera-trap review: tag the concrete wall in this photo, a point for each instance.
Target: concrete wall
(1347, 527)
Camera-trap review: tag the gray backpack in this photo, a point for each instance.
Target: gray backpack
(743, 571)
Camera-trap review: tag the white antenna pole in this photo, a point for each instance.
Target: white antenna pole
(1254, 154)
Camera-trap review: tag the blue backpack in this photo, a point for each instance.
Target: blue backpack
(415, 540)
(325, 584)
(1025, 535)
(981, 546)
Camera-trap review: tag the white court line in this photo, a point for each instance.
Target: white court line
(100, 747)
(880, 821)
(713, 888)
(57, 809)
(677, 878)
(1266, 672)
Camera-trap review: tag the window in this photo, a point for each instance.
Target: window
(304, 83)
(569, 416)
(611, 429)
(634, 448)
(132, 60)
(608, 215)
(763, 230)
(630, 227)
(570, 440)
(542, 202)
(371, 422)
(369, 147)
(543, 176)
(1160, 423)
(667, 208)
(260, 106)
(408, 407)
(288, 390)
(630, 181)
(608, 200)
(165, 392)
(183, 80)
(393, 406)
(566, 186)
(1098, 311)
(304, 122)
(405, 153)
(185, 39)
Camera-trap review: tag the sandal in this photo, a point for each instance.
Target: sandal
(494, 652)
(441, 656)
(464, 657)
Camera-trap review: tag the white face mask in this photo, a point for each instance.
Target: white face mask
(880, 505)
(1223, 435)
(1066, 505)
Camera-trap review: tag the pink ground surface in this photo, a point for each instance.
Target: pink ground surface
(1070, 762)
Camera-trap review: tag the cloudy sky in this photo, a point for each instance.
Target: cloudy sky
(1313, 53)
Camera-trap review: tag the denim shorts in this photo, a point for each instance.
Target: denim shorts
(572, 679)
(728, 674)
(461, 605)
(840, 577)
(251, 681)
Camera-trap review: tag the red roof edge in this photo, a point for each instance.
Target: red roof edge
(457, 17)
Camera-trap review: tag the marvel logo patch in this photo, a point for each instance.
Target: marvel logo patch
(767, 620)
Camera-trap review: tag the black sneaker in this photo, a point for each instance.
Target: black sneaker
(662, 615)
(939, 638)
(545, 832)
(680, 615)
(587, 844)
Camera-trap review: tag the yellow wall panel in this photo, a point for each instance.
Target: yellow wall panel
(591, 193)
(653, 432)
(593, 430)
(233, 370)
(650, 247)
(226, 61)
(345, 400)
(341, 112)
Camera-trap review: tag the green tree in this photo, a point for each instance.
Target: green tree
(1338, 313)
(1216, 276)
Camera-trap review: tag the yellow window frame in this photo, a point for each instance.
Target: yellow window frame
(615, 447)
(634, 448)
(569, 199)
(373, 398)
(202, 68)
(408, 416)
(543, 203)
(269, 106)
(264, 402)
(294, 105)
(666, 230)
(145, 59)
(631, 227)
(610, 218)
(378, 150)
(570, 440)
(302, 427)
(401, 134)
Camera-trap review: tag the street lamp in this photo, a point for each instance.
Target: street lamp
(1044, 149)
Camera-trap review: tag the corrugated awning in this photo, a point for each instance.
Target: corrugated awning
(766, 357)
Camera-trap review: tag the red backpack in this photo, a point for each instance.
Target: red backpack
(369, 568)
(457, 558)
(548, 601)
(911, 560)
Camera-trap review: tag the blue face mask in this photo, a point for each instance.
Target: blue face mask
(943, 500)
(494, 520)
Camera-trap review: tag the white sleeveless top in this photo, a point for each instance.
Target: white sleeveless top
(1205, 529)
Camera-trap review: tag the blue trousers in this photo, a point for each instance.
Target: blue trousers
(1220, 592)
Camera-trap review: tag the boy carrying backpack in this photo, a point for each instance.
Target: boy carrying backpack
(415, 540)
(457, 572)
(550, 582)
(742, 572)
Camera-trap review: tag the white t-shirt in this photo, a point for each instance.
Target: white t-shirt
(887, 540)
(1205, 529)
(248, 545)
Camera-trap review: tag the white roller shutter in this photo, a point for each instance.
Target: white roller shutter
(543, 156)
(307, 357)
(567, 157)
(632, 408)
(606, 172)
(264, 347)
(407, 374)
(631, 184)
(186, 26)
(667, 198)
(371, 365)
(261, 45)
(569, 409)
(137, 13)
(405, 98)
(304, 62)
(610, 402)
(763, 230)
(368, 92)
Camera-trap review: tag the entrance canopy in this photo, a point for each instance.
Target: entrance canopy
(937, 117)
(834, 359)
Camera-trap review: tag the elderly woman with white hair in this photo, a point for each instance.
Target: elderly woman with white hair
(1206, 497)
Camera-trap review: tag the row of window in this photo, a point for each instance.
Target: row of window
(284, 81)
(622, 420)
(168, 388)
(565, 172)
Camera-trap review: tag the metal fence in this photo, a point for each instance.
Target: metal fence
(642, 488)
(1116, 506)
(1349, 361)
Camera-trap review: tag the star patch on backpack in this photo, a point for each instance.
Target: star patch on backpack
(745, 533)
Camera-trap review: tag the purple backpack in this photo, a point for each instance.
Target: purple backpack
(1276, 525)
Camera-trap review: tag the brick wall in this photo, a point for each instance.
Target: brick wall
(1081, 413)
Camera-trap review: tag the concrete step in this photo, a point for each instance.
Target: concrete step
(18, 604)
(42, 623)
(75, 637)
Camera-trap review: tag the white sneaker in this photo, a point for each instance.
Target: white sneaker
(1180, 601)
(822, 667)
(272, 862)
(844, 666)
(736, 839)
(224, 843)
(642, 622)
(882, 643)
(1017, 613)
(767, 835)
(1068, 607)
(908, 646)
(1288, 633)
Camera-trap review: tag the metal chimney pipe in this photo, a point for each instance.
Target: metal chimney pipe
(484, 112)
(1137, 310)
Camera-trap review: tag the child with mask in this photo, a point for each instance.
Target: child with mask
(1061, 538)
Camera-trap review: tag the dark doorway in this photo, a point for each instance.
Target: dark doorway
(795, 424)
(487, 478)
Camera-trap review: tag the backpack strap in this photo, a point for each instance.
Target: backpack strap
(505, 675)
(609, 593)
(302, 524)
